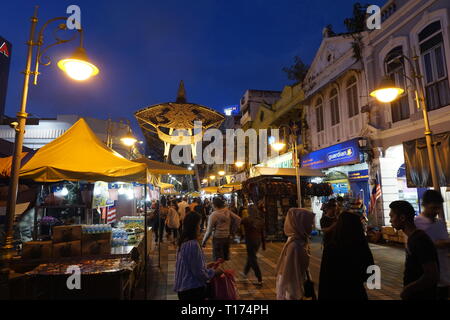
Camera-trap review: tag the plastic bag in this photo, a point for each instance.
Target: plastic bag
(223, 287)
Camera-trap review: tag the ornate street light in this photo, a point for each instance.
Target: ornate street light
(78, 67)
(388, 91)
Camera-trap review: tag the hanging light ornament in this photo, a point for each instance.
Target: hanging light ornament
(180, 116)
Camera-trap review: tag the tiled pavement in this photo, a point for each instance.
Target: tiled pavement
(389, 258)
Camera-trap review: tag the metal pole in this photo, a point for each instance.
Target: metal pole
(297, 173)
(145, 239)
(421, 104)
(20, 132)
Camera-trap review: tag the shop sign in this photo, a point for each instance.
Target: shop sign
(358, 175)
(282, 161)
(338, 155)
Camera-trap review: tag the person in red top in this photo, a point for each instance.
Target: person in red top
(254, 238)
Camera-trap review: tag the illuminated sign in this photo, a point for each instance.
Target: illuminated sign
(340, 154)
(231, 110)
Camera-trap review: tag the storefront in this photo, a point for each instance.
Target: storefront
(346, 169)
(395, 186)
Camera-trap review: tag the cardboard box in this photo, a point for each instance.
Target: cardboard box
(96, 247)
(66, 233)
(86, 237)
(67, 249)
(37, 250)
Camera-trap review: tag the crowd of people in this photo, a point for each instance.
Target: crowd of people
(346, 255)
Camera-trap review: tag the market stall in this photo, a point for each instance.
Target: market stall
(77, 173)
(275, 189)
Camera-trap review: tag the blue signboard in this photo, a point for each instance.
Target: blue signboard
(359, 175)
(340, 154)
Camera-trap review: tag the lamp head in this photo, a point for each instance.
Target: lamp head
(221, 173)
(78, 66)
(239, 164)
(128, 140)
(387, 91)
(278, 146)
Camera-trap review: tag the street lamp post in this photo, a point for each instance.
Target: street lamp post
(388, 91)
(77, 67)
(278, 146)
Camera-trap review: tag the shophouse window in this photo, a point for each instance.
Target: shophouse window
(396, 71)
(435, 70)
(319, 116)
(334, 107)
(352, 97)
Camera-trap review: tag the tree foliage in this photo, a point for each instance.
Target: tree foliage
(357, 23)
(297, 72)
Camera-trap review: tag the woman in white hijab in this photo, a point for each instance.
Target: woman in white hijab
(294, 259)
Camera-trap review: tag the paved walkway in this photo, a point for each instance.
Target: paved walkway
(389, 258)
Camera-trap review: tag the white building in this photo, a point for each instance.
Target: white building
(339, 108)
(39, 133)
(409, 27)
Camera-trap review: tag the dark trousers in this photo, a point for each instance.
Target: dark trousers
(197, 294)
(202, 225)
(172, 231)
(159, 230)
(221, 248)
(442, 293)
(252, 260)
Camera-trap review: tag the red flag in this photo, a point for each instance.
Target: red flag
(111, 217)
(376, 194)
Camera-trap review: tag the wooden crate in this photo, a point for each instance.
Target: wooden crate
(95, 247)
(66, 233)
(67, 249)
(37, 250)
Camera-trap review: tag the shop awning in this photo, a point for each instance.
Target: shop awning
(266, 171)
(418, 173)
(80, 155)
(164, 185)
(210, 190)
(156, 167)
(230, 187)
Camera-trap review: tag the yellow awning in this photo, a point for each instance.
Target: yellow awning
(235, 186)
(80, 155)
(210, 190)
(164, 185)
(266, 171)
(156, 167)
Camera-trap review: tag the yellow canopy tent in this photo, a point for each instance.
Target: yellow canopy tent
(156, 167)
(80, 155)
(210, 190)
(6, 164)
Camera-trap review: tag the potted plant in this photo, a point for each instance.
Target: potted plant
(46, 224)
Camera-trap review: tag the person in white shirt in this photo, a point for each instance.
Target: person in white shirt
(436, 229)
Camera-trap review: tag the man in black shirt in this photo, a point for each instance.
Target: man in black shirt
(421, 274)
(328, 220)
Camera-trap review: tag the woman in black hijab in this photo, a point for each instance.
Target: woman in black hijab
(345, 259)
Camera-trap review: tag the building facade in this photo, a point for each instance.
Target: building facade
(340, 110)
(40, 132)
